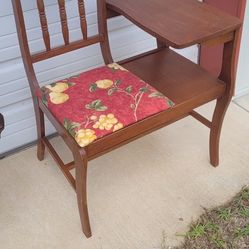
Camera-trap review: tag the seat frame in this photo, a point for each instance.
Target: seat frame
(83, 155)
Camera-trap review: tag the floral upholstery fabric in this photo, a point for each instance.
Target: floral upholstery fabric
(101, 101)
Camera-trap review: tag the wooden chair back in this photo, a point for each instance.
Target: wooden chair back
(29, 59)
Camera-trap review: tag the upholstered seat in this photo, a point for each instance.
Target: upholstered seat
(101, 101)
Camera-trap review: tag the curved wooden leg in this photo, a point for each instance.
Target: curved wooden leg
(81, 190)
(218, 117)
(227, 75)
(40, 132)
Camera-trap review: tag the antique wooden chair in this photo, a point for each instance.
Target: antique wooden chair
(102, 109)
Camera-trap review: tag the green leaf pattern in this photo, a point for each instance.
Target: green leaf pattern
(97, 106)
(71, 126)
(93, 87)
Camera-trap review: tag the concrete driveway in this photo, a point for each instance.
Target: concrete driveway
(155, 185)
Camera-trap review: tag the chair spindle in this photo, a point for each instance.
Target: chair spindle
(44, 24)
(82, 14)
(64, 25)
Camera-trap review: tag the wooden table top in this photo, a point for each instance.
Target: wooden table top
(179, 23)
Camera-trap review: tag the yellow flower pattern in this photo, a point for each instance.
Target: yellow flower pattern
(56, 93)
(95, 109)
(82, 132)
(59, 87)
(108, 122)
(118, 126)
(104, 84)
(93, 118)
(116, 66)
(85, 136)
(58, 98)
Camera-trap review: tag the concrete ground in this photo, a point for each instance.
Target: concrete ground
(243, 102)
(156, 185)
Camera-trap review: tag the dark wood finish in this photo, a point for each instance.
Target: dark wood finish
(178, 23)
(160, 44)
(211, 57)
(64, 49)
(59, 162)
(70, 165)
(174, 75)
(1, 123)
(187, 84)
(63, 16)
(81, 190)
(201, 119)
(220, 40)
(44, 24)
(82, 13)
(228, 75)
(183, 81)
(102, 25)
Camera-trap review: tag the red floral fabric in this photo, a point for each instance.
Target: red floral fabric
(101, 101)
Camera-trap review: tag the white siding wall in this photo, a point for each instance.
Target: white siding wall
(243, 66)
(15, 101)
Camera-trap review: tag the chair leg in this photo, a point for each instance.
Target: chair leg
(218, 118)
(40, 132)
(81, 191)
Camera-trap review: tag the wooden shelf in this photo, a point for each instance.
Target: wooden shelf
(178, 78)
(185, 83)
(178, 23)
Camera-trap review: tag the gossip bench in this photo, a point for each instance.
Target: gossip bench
(109, 106)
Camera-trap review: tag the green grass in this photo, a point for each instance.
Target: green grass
(225, 227)
(244, 212)
(243, 232)
(245, 194)
(196, 231)
(224, 213)
(218, 241)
